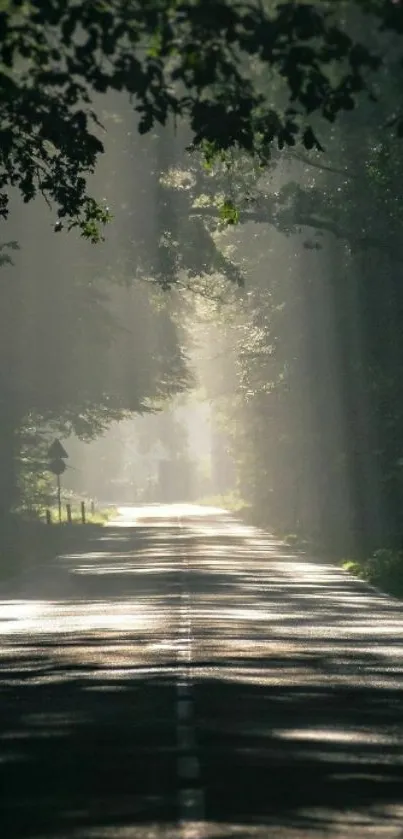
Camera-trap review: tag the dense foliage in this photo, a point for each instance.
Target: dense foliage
(315, 417)
(210, 63)
(292, 192)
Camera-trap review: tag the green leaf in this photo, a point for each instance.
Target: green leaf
(229, 213)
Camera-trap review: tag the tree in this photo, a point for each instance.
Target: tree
(76, 353)
(206, 62)
(316, 420)
(209, 66)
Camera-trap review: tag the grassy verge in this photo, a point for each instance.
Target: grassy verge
(99, 516)
(230, 501)
(383, 569)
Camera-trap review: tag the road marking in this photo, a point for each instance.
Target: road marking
(185, 654)
(183, 690)
(188, 768)
(191, 802)
(185, 738)
(184, 709)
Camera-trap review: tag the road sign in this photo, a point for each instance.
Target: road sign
(57, 466)
(57, 451)
(57, 455)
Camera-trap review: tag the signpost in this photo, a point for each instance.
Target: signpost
(57, 455)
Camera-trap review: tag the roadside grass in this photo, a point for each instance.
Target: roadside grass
(230, 501)
(99, 516)
(383, 569)
(298, 542)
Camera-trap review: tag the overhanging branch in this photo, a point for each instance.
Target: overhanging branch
(314, 222)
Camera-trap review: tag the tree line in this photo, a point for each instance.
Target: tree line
(272, 138)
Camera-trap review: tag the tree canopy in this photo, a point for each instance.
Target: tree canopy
(241, 75)
(293, 113)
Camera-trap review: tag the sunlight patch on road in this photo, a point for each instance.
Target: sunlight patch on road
(40, 617)
(338, 735)
(162, 514)
(124, 568)
(373, 822)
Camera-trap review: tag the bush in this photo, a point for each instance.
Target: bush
(384, 569)
(355, 568)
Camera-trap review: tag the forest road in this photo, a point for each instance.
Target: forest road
(185, 675)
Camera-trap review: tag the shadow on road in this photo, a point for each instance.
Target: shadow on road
(281, 756)
(298, 703)
(85, 752)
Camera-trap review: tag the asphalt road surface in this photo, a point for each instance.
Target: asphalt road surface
(184, 676)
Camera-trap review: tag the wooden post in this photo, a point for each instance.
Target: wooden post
(83, 512)
(48, 517)
(68, 511)
(59, 499)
